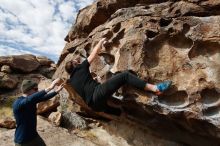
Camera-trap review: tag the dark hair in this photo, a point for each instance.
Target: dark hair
(70, 65)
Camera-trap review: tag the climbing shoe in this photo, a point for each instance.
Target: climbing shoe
(163, 86)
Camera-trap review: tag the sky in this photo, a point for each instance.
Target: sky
(37, 26)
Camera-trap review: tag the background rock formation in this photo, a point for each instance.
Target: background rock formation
(13, 70)
(158, 40)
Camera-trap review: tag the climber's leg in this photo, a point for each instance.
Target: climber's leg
(37, 141)
(127, 78)
(113, 84)
(104, 91)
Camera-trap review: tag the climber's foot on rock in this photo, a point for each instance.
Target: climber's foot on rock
(163, 86)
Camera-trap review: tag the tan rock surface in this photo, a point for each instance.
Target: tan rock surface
(55, 118)
(8, 81)
(44, 60)
(158, 40)
(25, 63)
(97, 136)
(8, 123)
(6, 69)
(49, 105)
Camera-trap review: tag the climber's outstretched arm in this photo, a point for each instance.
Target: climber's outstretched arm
(95, 50)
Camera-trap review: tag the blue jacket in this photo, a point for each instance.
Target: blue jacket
(25, 113)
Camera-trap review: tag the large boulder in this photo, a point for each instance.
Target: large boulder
(158, 40)
(25, 63)
(72, 120)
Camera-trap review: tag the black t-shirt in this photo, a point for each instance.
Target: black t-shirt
(82, 81)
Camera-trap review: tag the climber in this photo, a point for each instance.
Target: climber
(24, 109)
(96, 94)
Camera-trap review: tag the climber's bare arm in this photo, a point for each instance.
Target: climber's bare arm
(95, 50)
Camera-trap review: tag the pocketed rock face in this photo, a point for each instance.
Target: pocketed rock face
(166, 40)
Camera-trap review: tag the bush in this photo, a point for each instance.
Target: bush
(6, 106)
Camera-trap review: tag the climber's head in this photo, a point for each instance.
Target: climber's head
(29, 87)
(70, 65)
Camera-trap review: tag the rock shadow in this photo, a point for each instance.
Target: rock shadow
(209, 96)
(205, 49)
(151, 52)
(176, 99)
(180, 41)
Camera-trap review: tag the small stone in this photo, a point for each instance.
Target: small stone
(8, 123)
(72, 120)
(55, 118)
(6, 69)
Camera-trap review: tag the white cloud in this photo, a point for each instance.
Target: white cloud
(83, 3)
(11, 51)
(36, 25)
(66, 10)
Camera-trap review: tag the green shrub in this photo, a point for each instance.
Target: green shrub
(6, 107)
